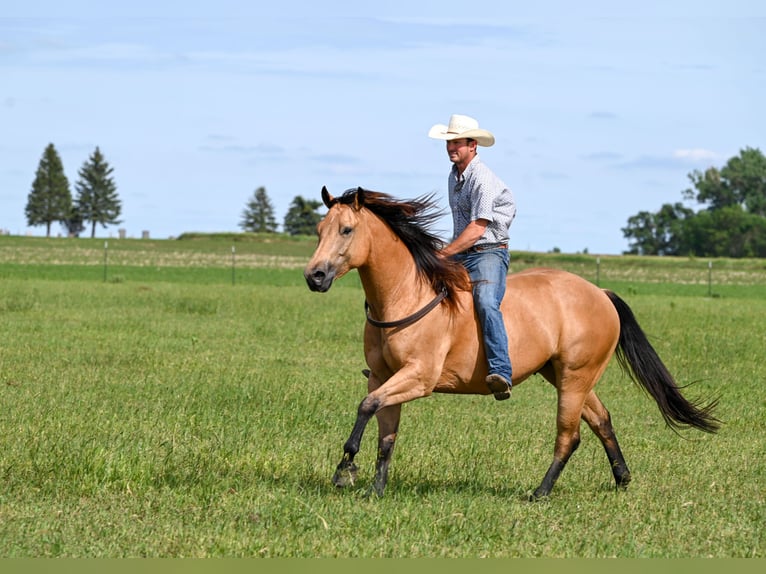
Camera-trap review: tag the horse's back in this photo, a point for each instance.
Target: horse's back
(552, 283)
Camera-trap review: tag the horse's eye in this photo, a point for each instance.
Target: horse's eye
(346, 231)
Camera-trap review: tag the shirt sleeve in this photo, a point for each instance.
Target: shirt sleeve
(483, 202)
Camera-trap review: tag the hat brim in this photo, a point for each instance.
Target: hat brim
(482, 137)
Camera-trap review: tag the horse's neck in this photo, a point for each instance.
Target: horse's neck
(390, 279)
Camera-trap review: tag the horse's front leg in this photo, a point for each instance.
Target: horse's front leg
(388, 426)
(385, 400)
(346, 471)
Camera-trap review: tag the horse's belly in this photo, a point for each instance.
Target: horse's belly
(460, 388)
(464, 370)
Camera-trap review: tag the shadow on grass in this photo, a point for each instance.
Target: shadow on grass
(321, 484)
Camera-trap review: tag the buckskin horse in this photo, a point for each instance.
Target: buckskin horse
(422, 335)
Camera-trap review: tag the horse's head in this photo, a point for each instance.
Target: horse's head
(343, 244)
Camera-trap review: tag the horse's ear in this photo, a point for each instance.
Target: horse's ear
(328, 199)
(359, 198)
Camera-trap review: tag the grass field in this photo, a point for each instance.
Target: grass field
(182, 401)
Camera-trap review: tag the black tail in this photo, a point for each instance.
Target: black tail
(640, 361)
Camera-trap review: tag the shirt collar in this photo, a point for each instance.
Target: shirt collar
(471, 165)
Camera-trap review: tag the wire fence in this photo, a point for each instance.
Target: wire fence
(117, 261)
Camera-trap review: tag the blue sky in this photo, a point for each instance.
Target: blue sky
(599, 111)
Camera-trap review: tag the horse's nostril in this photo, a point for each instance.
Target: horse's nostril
(319, 278)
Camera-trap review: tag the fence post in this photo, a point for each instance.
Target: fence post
(709, 278)
(598, 271)
(233, 273)
(106, 249)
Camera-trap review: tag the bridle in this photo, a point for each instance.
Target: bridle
(409, 320)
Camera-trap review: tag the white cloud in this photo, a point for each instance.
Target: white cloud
(696, 155)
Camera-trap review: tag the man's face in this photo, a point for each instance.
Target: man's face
(461, 151)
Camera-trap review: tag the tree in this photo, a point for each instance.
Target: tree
(258, 215)
(302, 217)
(732, 222)
(73, 224)
(50, 199)
(97, 199)
(727, 232)
(746, 176)
(742, 181)
(657, 233)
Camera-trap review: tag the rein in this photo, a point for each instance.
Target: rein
(414, 318)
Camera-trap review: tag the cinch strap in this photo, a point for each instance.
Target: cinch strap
(417, 316)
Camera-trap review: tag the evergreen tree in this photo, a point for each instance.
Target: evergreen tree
(73, 224)
(302, 217)
(97, 199)
(258, 215)
(50, 199)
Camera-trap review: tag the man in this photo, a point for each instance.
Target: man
(482, 211)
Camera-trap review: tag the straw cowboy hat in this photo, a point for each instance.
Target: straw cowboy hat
(462, 127)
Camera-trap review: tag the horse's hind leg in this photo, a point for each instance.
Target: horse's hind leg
(567, 439)
(598, 419)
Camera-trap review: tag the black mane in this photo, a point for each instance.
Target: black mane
(411, 221)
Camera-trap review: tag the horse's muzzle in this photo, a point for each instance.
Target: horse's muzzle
(319, 278)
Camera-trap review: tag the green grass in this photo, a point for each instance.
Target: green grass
(175, 414)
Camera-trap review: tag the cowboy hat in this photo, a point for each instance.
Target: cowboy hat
(462, 127)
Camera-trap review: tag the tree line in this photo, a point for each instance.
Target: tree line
(732, 222)
(97, 202)
(301, 218)
(50, 199)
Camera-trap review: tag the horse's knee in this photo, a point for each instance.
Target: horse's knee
(369, 406)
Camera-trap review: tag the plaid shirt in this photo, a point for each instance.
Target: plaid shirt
(479, 194)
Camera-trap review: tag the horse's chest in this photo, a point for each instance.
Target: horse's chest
(426, 347)
(394, 354)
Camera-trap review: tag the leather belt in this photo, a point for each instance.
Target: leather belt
(485, 247)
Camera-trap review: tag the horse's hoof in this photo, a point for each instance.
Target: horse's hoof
(623, 481)
(538, 496)
(375, 489)
(345, 475)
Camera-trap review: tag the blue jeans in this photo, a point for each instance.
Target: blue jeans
(488, 270)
